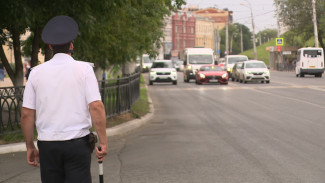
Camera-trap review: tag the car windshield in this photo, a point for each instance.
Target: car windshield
(312, 53)
(200, 59)
(233, 60)
(210, 68)
(255, 65)
(147, 60)
(162, 65)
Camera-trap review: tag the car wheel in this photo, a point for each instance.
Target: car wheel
(240, 80)
(262, 81)
(174, 82)
(267, 82)
(302, 75)
(297, 75)
(150, 83)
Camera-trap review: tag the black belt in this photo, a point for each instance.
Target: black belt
(81, 138)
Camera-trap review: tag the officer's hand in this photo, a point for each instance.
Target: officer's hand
(100, 154)
(32, 157)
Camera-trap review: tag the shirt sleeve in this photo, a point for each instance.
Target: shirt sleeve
(92, 89)
(29, 100)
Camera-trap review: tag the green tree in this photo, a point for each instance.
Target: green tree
(266, 35)
(111, 31)
(234, 31)
(297, 16)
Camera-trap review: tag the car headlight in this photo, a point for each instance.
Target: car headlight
(152, 72)
(189, 67)
(229, 69)
(248, 72)
(224, 75)
(202, 76)
(266, 72)
(174, 72)
(144, 66)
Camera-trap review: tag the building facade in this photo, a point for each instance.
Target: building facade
(204, 32)
(220, 17)
(166, 42)
(183, 31)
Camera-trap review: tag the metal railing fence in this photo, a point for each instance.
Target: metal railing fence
(11, 99)
(118, 95)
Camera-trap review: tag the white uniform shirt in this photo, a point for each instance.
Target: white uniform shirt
(60, 91)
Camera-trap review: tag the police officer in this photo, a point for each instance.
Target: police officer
(62, 95)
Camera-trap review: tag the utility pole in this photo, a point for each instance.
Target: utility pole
(241, 39)
(254, 39)
(227, 39)
(253, 27)
(315, 23)
(277, 17)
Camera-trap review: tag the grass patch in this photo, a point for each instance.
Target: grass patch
(14, 137)
(262, 54)
(140, 108)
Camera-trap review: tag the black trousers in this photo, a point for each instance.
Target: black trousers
(65, 161)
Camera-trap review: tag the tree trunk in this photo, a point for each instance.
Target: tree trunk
(18, 79)
(6, 64)
(35, 46)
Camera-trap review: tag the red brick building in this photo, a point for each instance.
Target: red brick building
(183, 31)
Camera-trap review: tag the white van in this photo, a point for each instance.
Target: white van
(310, 61)
(231, 60)
(146, 62)
(194, 58)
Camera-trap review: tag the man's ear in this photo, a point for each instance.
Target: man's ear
(71, 46)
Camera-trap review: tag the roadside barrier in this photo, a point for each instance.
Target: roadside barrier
(118, 95)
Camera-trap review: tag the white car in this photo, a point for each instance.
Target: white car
(162, 71)
(254, 70)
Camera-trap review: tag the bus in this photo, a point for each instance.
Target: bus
(310, 61)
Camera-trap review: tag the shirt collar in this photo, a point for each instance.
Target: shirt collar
(61, 58)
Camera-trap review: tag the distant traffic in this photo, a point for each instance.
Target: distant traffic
(199, 64)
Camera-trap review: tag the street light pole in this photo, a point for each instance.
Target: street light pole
(277, 17)
(253, 27)
(315, 23)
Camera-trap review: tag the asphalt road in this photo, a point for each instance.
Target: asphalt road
(247, 133)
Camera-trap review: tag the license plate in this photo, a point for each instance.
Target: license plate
(214, 81)
(311, 66)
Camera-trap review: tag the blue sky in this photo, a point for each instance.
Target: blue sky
(263, 11)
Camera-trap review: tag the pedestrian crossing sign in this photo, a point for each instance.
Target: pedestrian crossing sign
(279, 41)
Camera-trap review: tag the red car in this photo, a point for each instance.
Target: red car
(211, 74)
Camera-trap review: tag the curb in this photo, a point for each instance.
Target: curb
(116, 130)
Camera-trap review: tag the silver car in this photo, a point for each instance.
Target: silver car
(254, 70)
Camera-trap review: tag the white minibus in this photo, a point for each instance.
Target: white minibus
(310, 61)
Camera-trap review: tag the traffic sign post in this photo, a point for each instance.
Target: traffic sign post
(279, 42)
